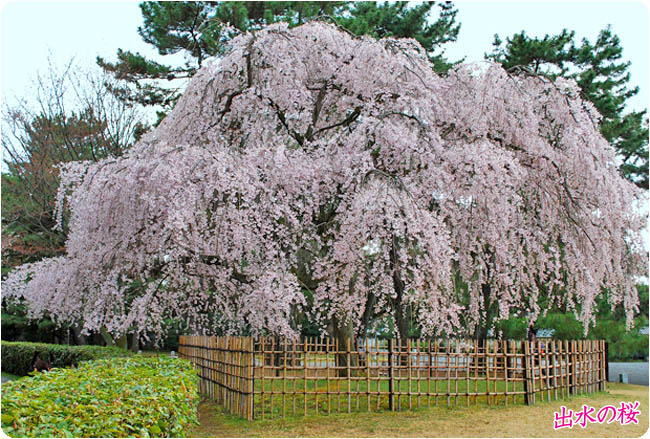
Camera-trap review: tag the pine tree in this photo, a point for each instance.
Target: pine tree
(397, 19)
(200, 30)
(603, 80)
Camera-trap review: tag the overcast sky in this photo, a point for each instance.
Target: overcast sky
(32, 30)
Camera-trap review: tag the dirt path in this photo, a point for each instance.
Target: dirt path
(512, 421)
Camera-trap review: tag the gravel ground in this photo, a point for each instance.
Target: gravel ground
(637, 373)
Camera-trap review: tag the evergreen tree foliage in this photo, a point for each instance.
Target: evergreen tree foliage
(382, 20)
(199, 30)
(75, 118)
(603, 79)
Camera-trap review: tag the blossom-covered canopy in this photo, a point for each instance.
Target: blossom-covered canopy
(310, 160)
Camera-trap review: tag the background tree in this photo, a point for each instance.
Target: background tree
(346, 166)
(401, 20)
(74, 117)
(624, 343)
(603, 79)
(199, 30)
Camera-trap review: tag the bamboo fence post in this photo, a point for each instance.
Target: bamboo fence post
(251, 378)
(565, 368)
(488, 376)
(603, 367)
(356, 369)
(408, 370)
(284, 376)
(468, 359)
(358, 373)
(570, 368)
(327, 374)
(368, 373)
(587, 374)
(506, 351)
(231, 373)
(547, 355)
(378, 363)
(314, 346)
(418, 368)
(273, 375)
(595, 375)
(559, 377)
(448, 364)
(391, 384)
(494, 361)
(213, 353)
(560, 356)
(476, 361)
(291, 375)
(429, 371)
(456, 357)
(262, 342)
(585, 366)
(304, 374)
(525, 349)
(606, 361)
(338, 375)
(590, 365)
(592, 371)
(554, 344)
(580, 367)
(348, 372)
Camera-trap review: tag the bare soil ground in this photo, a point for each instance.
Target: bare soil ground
(475, 421)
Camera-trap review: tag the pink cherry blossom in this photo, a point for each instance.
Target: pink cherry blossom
(307, 158)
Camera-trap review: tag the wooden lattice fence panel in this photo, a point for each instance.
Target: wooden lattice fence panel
(275, 377)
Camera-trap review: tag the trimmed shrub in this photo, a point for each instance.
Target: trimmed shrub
(18, 357)
(113, 397)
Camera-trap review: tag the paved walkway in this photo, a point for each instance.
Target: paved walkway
(637, 373)
(6, 378)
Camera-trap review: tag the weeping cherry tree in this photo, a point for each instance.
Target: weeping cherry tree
(309, 170)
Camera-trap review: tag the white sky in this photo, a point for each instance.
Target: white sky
(29, 31)
(480, 20)
(32, 31)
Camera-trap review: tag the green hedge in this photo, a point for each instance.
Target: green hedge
(17, 357)
(115, 397)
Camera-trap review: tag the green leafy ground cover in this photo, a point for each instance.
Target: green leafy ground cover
(18, 357)
(117, 397)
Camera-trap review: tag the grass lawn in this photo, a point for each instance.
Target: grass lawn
(329, 400)
(473, 421)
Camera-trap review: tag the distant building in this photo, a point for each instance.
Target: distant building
(545, 333)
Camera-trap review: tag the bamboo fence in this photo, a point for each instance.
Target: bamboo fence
(272, 377)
